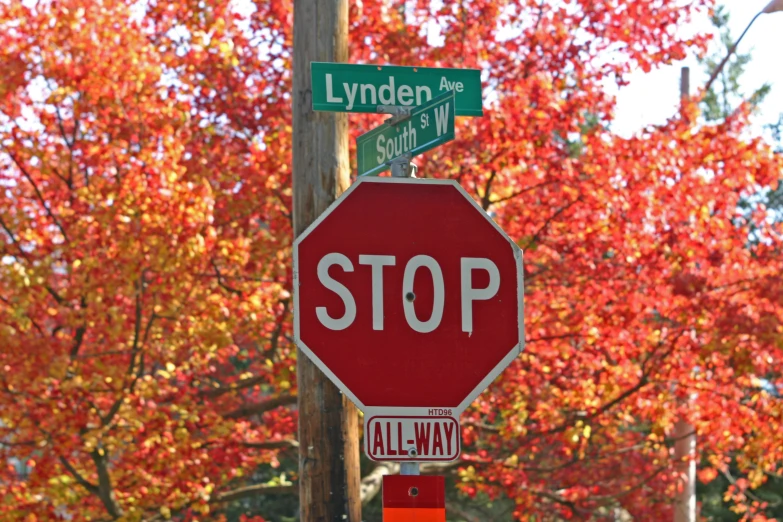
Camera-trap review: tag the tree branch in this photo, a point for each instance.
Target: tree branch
(68, 181)
(439, 468)
(16, 243)
(273, 341)
(371, 484)
(257, 489)
(221, 281)
(83, 482)
(522, 191)
(549, 220)
(29, 317)
(605, 407)
(272, 444)
(29, 178)
(486, 202)
(105, 492)
(644, 380)
(138, 348)
(264, 406)
(24, 443)
(455, 509)
(78, 338)
(239, 385)
(236, 494)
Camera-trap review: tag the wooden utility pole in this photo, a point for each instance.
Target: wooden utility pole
(684, 437)
(328, 422)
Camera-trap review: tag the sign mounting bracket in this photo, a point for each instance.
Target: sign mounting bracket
(398, 113)
(401, 167)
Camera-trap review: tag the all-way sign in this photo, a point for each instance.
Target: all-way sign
(428, 126)
(411, 438)
(347, 87)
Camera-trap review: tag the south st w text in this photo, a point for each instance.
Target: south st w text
(405, 141)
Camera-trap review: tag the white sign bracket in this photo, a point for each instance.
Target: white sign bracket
(398, 113)
(401, 167)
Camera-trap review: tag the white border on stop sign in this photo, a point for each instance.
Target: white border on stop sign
(497, 370)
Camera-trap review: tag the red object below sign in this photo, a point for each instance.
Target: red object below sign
(408, 498)
(408, 296)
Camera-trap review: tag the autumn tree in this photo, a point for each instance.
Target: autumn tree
(718, 103)
(144, 270)
(145, 276)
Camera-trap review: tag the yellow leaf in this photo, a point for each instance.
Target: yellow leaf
(512, 461)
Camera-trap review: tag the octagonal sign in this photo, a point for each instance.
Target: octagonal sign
(408, 296)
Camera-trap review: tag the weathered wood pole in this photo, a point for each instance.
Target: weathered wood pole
(328, 422)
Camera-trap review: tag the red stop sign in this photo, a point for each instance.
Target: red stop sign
(407, 295)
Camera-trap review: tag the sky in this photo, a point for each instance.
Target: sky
(651, 98)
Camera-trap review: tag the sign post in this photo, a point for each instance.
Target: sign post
(329, 473)
(407, 295)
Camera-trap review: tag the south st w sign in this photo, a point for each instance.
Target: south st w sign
(409, 297)
(426, 127)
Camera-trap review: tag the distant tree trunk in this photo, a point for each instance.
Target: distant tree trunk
(685, 439)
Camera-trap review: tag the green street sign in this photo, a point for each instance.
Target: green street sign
(343, 87)
(428, 126)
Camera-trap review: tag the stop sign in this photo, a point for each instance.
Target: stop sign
(408, 295)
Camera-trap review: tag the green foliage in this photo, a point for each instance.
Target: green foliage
(715, 509)
(273, 508)
(776, 132)
(726, 93)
